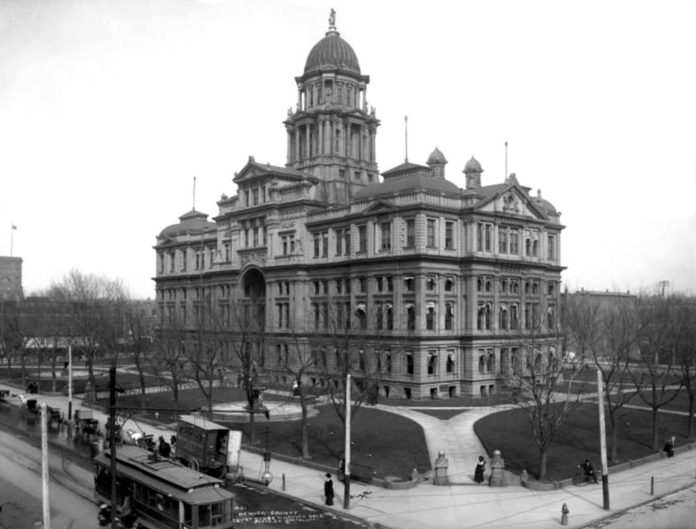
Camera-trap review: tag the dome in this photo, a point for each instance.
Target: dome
(436, 157)
(192, 222)
(544, 205)
(473, 166)
(334, 53)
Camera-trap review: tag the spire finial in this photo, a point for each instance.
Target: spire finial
(406, 139)
(332, 20)
(506, 169)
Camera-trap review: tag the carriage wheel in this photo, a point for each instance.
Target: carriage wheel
(193, 463)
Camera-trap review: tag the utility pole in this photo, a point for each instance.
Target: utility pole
(346, 449)
(112, 444)
(44, 468)
(603, 440)
(70, 382)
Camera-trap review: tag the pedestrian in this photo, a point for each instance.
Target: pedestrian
(341, 469)
(480, 468)
(669, 447)
(588, 470)
(164, 448)
(328, 489)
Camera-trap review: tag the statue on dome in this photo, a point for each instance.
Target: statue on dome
(332, 19)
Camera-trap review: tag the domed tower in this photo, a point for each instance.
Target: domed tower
(331, 133)
(472, 171)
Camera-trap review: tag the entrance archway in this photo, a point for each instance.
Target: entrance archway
(254, 297)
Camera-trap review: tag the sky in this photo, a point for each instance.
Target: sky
(108, 110)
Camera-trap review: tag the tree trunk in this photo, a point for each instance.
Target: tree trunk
(543, 456)
(656, 441)
(305, 434)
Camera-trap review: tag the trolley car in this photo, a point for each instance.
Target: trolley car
(162, 494)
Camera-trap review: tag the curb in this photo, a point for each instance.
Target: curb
(624, 510)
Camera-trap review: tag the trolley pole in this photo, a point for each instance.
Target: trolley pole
(44, 468)
(603, 440)
(346, 478)
(112, 444)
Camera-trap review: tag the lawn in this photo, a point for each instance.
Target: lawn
(509, 431)
(383, 444)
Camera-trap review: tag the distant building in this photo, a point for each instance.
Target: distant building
(11, 279)
(436, 287)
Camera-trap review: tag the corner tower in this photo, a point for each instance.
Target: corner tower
(331, 133)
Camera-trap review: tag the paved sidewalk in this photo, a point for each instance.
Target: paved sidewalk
(462, 504)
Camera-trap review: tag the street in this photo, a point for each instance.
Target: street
(674, 511)
(20, 491)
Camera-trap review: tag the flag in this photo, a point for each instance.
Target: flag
(14, 227)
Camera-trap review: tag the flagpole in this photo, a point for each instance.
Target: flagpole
(12, 240)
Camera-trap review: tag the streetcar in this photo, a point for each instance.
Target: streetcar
(159, 493)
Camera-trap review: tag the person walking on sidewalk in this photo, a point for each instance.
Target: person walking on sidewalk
(328, 489)
(479, 470)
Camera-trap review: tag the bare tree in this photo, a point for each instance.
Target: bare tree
(544, 386)
(96, 315)
(605, 335)
(12, 339)
(247, 341)
(139, 340)
(297, 358)
(683, 339)
(656, 376)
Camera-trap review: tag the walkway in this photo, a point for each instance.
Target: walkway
(461, 505)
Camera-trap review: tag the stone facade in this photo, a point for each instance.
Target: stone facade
(11, 279)
(437, 288)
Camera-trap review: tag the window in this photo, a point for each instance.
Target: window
(430, 316)
(449, 316)
(362, 284)
(385, 232)
(409, 363)
(483, 321)
(502, 240)
(551, 288)
(503, 318)
(449, 366)
(514, 317)
(343, 241)
(430, 284)
(449, 235)
(389, 316)
(551, 247)
(551, 317)
(321, 244)
(449, 284)
(514, 241)
(410, 233)
(227, 253)
(410, 316)
(362, 238)
(288, 243)
(409, 283)
(361, 315)
(432, 362)
(378, 316)
(430, 233)
(283, 315)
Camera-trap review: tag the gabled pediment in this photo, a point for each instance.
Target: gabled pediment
(379, 206)
(253, 170)
(510, 200)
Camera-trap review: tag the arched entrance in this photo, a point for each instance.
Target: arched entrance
(254, 298)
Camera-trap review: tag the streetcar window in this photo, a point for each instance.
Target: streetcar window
(188, 517)
(203, 515)
(216, 514)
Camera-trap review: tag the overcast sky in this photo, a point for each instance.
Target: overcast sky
(108, 109)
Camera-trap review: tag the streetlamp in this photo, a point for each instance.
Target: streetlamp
(266, 477)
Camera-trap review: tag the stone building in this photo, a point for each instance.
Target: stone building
(11, 279)
(436, 288)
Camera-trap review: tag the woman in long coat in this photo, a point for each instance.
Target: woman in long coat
(328, 490)
(478, 472)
